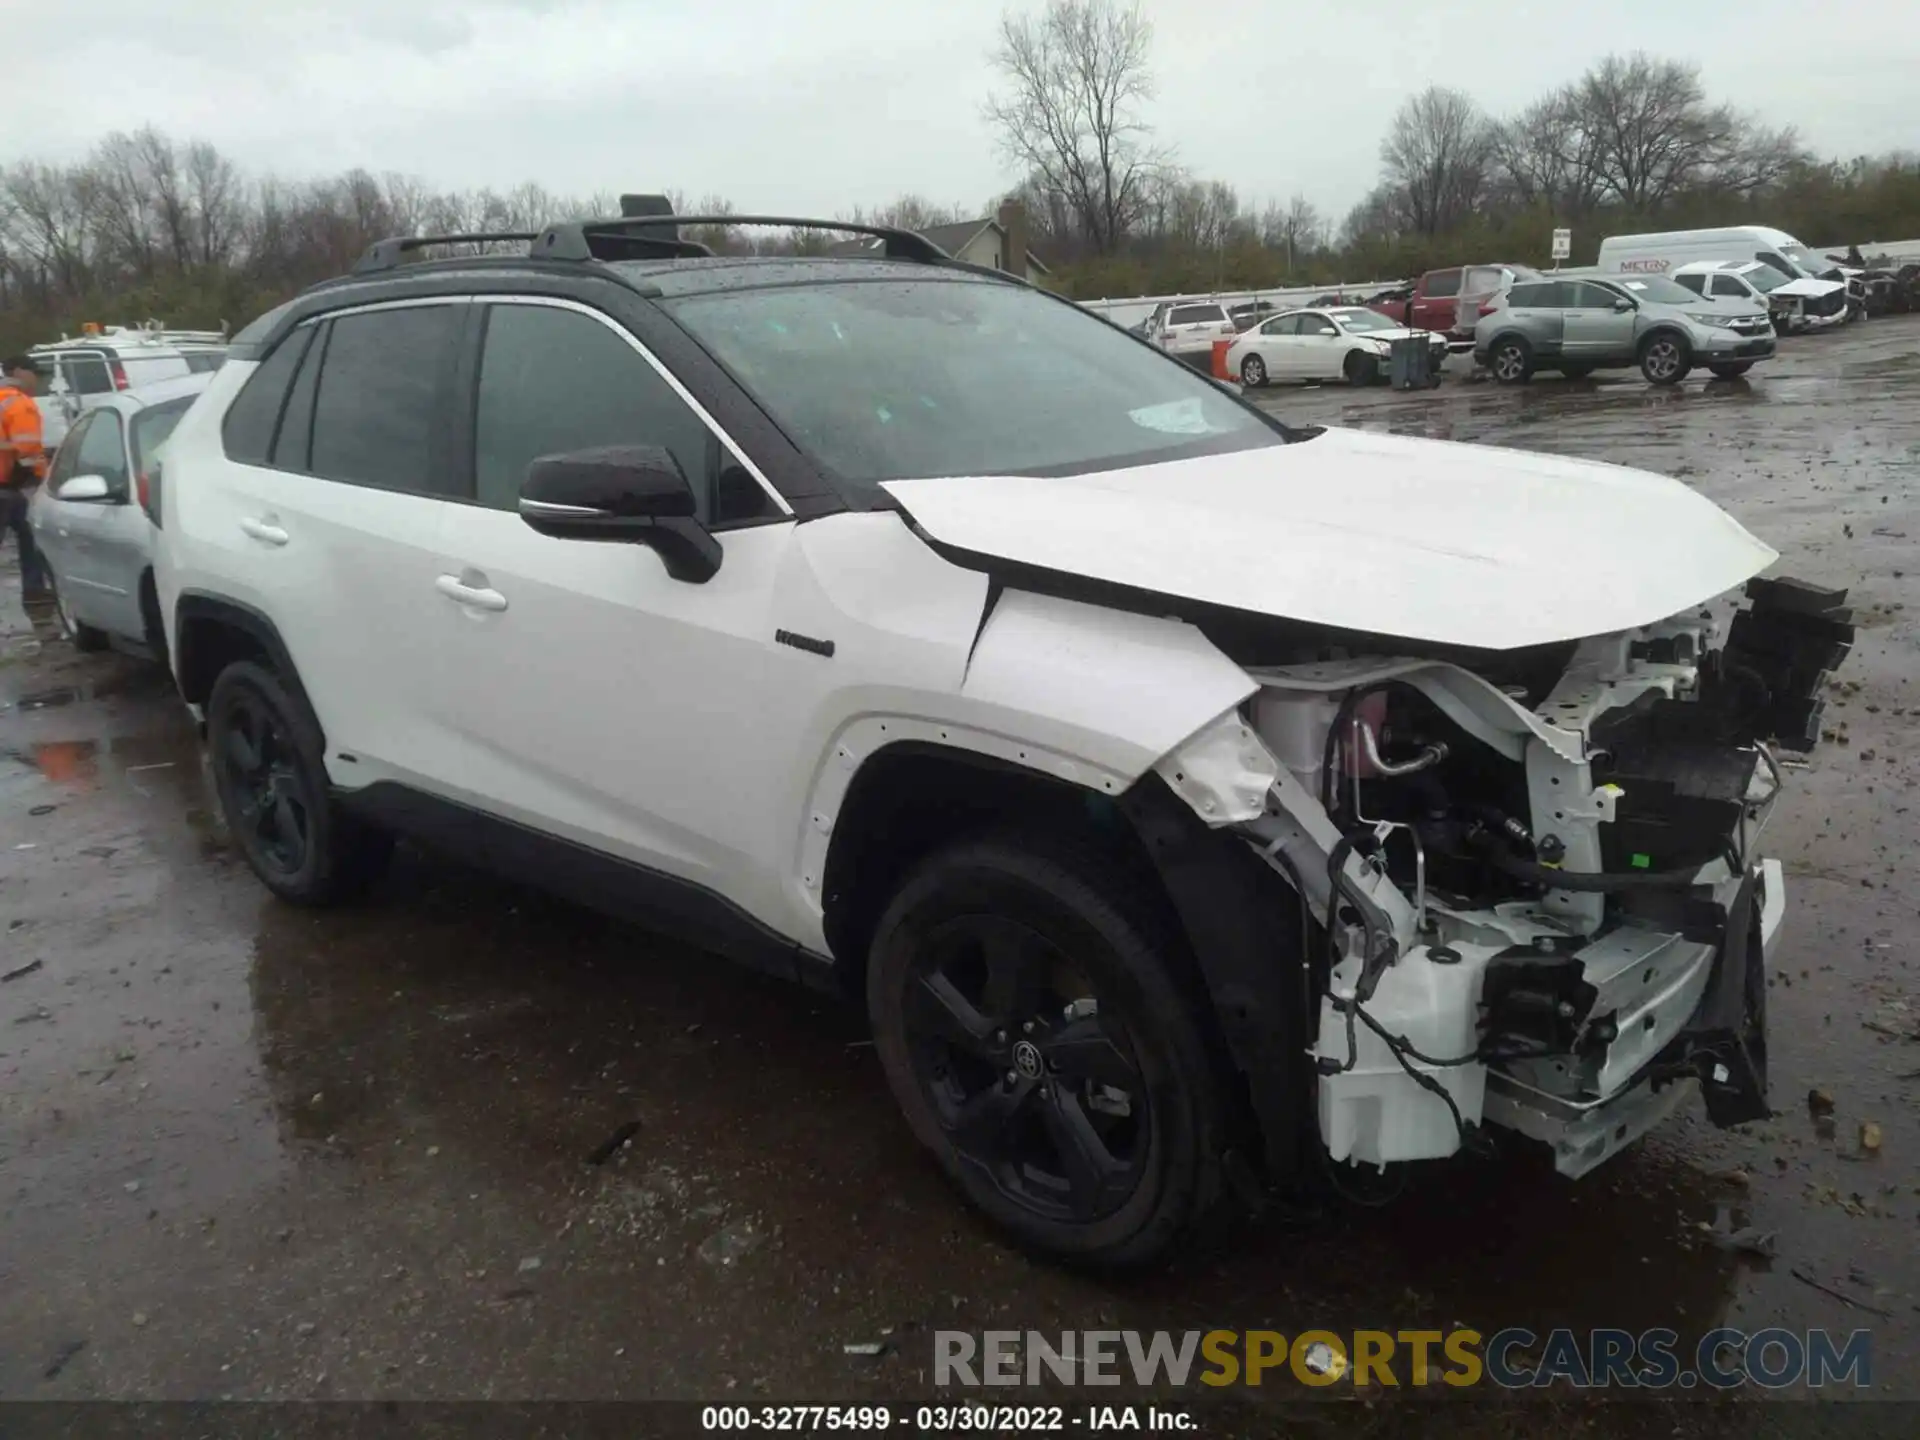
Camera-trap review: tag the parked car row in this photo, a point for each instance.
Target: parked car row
(1348, 342)
(83, 371)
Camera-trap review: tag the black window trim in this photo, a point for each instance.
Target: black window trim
(466, 408)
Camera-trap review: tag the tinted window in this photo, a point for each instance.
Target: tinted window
(103, 452)
(1317, 325)
(290, 446)
(247, 432)
(1539, 295)
(1695, 283)
(199, 362)
(555, 380)
(1443, 283)
(1285, 325)
(1727, 285)
(88, 374)
(925, 376)
(373, 419)
(68, 454)
(152, 426)
(1589, 297)
(1196, 315)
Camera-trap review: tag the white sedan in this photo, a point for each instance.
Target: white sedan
(1344, 343)
(90, 522)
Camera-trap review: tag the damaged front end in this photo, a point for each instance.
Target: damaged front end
(1537, 899)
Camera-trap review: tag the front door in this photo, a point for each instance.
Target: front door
(579, 688)
(1597, 328)
(88, 548)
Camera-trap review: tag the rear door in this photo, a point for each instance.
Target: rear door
(1596, 330)
(330, 518)
(1279, 345)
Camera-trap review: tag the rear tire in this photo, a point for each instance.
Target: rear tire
(1665, 358)
(86, 638)
(1026, 1009)
(264, 746)
(1253, 372)
(1733, 371)
(1361, 368)
(1511, 361)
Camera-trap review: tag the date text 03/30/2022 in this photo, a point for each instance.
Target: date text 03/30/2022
(947, 1419)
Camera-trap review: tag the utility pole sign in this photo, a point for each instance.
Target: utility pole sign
(1562, 245)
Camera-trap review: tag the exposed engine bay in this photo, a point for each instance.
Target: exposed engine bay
(1533, 893)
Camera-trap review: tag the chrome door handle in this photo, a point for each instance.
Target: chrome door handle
(261, 530)
(468, 595)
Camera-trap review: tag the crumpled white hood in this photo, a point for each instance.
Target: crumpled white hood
(1419, 539)
(1810, 288)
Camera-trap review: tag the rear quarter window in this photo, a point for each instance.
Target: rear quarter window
(247, 432)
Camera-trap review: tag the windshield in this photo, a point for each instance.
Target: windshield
(1805, 258)
(1655, 288)
(1763, 277)
(1359, 321)
(908, 379)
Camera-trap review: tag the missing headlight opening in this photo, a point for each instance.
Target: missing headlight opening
(1532, 891)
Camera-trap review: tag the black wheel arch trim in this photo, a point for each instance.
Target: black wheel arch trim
(199, 605)
(1244, 934)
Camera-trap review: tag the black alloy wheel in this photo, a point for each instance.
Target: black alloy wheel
(1045, 1039)
(1038, 1091)
(272, 811)
(264, 749)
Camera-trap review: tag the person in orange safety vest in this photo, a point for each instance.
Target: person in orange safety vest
(23, 463)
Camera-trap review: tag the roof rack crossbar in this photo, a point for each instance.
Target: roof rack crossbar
(385, 254)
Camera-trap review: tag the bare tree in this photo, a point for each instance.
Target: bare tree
(1296, 229)
(1436, 155)
(1076, 78)
(1546, 155)
(1654, 134)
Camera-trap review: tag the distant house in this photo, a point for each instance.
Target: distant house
(988, 242)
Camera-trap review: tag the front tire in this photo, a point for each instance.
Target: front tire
(1253, 372)
(1511, 361)
(265, 749)
(1733, 371)
(1665, 359)
(1361, 368)
(1025, 1008)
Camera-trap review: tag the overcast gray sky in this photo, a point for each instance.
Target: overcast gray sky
(817, 105)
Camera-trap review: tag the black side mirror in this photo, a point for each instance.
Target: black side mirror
(635, 493)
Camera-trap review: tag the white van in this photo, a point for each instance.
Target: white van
(83, 371)
(1796, 303)
(1657, 254)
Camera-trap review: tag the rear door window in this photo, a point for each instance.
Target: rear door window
(376, 412)
(89, 375)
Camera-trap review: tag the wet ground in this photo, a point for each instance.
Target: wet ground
(470, 1142)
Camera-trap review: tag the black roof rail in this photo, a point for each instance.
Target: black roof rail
(573, 239)
(385, 254)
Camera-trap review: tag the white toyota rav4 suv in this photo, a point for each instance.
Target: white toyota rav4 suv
(1196, 801)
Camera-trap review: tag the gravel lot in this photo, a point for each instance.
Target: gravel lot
(249, 1151)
